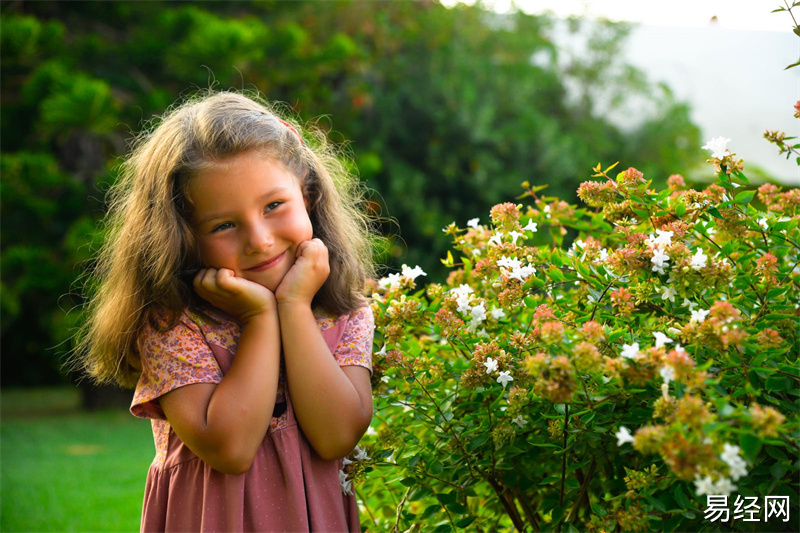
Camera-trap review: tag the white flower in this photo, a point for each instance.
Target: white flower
(703, 485)
(491, 365)
(392, 280)
(515, 235)
(385, 379)
(664, 238)
(738, 469)
(661, 339)
(668, 293)
(463, 304)
(462, 289)
(522, 273)
(630, 351)
(603, 255)
(521, 422)
(718, 146)
(497, 313)
(547, 211)
(361, 455)
(699, 315)
(346, 461)
(531, 226)
(737, 465)
(473, 223)
(504, 378)
(699, 259)
(623, 436)
(511, 263)
(724, 487)
(667, 374)
(347, 486)
(413, 273)
(688, 302)
(478, 312)
(382, 351)
(730, 453)
(496, 239)
(659, 260)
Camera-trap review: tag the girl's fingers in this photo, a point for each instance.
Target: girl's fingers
(225, 279)
(208, 281)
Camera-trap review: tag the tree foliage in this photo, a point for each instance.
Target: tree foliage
(445, 111)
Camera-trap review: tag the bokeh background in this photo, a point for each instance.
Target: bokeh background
(443, 110)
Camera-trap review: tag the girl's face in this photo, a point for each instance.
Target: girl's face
(249, 216)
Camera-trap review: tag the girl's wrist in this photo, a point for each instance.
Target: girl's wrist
(263, 317)
(290, 306)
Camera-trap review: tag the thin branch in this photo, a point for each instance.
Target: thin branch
(564, 457)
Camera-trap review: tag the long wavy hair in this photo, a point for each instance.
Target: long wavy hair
(145, 267)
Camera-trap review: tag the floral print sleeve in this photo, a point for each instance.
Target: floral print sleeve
(355, 348)
(171, 359)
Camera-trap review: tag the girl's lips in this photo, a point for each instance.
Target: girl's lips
(267, 264)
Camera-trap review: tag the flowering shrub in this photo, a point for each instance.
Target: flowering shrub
(595, 368)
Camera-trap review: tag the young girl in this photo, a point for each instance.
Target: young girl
(230, 293)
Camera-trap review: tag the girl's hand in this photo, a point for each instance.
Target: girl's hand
(239, 297)
(307, 275)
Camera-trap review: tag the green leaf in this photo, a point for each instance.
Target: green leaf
(777, 383)
(778, 470)
(435, 468)
(477, 441)
(555, 274)
(680, 209)
(776, 453)
(681, 497)
(744, 197)
(750, 445)
(715, 212)
(656, 503)
(599, 510)
(464, 522)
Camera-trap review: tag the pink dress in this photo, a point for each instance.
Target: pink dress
(289, 487)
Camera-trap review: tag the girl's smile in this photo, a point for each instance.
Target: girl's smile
(249, 215)
(261, 267)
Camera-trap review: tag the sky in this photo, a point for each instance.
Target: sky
(726, 58)
(731, 14)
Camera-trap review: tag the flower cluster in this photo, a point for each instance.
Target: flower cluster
(352, 466)
(672, 313)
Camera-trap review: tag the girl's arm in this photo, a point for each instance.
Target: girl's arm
(225, 423)
(333, 404)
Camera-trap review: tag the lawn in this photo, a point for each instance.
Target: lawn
(63, 469)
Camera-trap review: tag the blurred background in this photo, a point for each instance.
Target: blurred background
(444, 110)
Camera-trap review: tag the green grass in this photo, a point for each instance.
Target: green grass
(62, 469)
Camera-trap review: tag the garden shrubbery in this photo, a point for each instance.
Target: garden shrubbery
(611, 366)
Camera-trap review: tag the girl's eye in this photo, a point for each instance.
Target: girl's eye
(220, 227)
(271, 206)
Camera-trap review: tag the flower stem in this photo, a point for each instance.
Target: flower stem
(564, 456)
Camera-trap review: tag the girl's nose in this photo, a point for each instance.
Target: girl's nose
(258, 239)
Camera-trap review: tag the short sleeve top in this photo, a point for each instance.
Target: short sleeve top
(200, 349)
(289, 487)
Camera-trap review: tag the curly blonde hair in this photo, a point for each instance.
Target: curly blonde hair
(145, 267)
